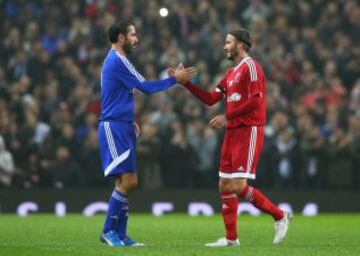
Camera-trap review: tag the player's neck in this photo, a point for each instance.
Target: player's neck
(119, 49)
(238, 59)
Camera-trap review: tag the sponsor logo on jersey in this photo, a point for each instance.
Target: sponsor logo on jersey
(237, 77)
(231, 83)
(234, 97)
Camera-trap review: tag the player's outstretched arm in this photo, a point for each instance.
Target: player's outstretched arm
(207, 97)
(183, 75)
(132, 79)
(180, 76)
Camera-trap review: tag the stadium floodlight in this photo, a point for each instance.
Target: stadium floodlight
(163, 12)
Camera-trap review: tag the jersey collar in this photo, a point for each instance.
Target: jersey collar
(245, 59)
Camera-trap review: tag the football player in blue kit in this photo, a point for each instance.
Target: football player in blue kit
(117, 130)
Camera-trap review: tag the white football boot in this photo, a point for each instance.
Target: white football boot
(281, 228)
(222, 242)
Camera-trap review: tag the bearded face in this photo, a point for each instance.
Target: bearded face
(128, 48)
(131, 40)
(230, 47)
(232, 54)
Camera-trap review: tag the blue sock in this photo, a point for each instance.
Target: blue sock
(122, 223)
(117, 201)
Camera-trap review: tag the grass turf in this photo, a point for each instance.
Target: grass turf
(178, 235)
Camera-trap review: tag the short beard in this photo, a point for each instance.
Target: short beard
(233, 55)
(128, 48)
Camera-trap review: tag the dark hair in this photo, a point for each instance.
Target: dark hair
(243, 36)
(119, 27)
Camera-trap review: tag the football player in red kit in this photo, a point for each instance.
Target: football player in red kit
(243, 88)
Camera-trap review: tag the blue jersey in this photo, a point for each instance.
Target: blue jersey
(117, 139)
(119, 78)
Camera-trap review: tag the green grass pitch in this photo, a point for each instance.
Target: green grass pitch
(176, 234)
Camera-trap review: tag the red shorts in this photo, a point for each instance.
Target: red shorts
(241, 151)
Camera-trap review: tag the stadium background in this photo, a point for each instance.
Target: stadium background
(51, 53)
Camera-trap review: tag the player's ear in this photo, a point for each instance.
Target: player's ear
(240, 46)
(121, 38)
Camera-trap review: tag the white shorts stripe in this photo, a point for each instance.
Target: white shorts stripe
(110, 140)
(252, 147)
(116, 162)
(235, 175)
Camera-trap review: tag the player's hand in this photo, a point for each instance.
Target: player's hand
(171, 71)
(218, 122)
(180, 66)
(183, 75)
(137, 129)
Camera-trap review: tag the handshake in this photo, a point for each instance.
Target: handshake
(181, 74)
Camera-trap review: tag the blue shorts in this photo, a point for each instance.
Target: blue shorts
(117, 142)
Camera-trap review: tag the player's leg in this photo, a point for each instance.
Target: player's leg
(229, 213)
(116, 215)
(247, 157)
(125, 185)
(229, 201)
(246, 154)
(229, 208)
(117, 147)
(258, 199)
(108, 155)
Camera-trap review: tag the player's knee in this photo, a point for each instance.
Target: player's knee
(225, 185)
(240, 188)
(127, 183)
(237, 185)
(132, 184)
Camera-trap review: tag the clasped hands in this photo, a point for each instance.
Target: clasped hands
(181, 74)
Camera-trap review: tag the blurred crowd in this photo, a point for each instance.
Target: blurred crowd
(51, 56)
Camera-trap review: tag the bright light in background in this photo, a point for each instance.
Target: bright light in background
(163, 12)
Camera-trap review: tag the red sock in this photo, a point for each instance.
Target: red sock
(229, 213)
(261, 202)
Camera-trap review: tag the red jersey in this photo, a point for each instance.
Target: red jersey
(244, 87)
